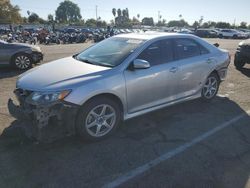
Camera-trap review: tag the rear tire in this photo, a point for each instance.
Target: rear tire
(98, 119)
(235, 37)
(211, 87)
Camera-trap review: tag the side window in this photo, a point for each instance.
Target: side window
(152, 54)
(158, 53)
(167, 51)
(203, 50)
(185, 48)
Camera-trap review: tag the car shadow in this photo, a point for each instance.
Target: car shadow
(9, 72)
(72, 162)
(245, 71)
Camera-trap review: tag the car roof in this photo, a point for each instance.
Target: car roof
(149, 35)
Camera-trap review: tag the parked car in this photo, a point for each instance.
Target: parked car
(231, 33)
(117, 79)
(246, 31)
(185, 31)
(242, 55)
(206, 33)
(18, 55)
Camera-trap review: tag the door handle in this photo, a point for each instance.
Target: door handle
(209, 61)
(173, 69)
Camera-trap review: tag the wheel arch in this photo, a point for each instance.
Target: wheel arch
(19, 53)
(110, 96)
(217, 73)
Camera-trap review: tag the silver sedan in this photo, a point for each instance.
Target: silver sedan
(119, 78)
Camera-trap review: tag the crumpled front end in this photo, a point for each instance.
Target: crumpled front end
(41, 120)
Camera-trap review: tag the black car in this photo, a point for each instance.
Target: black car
(18, 55)
(206, 33)
(242, 55)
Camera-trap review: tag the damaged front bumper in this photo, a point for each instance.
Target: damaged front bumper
(59, 115)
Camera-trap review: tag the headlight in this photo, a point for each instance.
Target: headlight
(48, 97)
(36, 49)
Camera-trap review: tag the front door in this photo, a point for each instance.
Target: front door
(156, 85)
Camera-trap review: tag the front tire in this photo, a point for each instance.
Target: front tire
(239, 64)
(22, 61)
(98, 119)
(211, 87)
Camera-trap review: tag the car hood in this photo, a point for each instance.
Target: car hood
(23, 45)
(60, 74)
(245, 42)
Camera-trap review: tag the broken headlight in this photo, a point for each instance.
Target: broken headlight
(48, 97)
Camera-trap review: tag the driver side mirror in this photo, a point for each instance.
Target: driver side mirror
(140, 64)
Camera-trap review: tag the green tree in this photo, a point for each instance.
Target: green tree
(161, 23)
(9, 13)
(243, 25)
(177, 23)
(90, 22)
(114, 12)
(195, 24)
(50, 18)
(124, 13)
(201, 21)
(68, 12)
(223, 25)
(135, 21)
(138, 16)
(148, 21)
(127, 12)
(33, 18)
(119, 12)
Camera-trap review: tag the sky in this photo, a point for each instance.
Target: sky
(215, 10)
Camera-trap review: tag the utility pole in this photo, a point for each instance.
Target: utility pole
(96, 14)
(159, 16)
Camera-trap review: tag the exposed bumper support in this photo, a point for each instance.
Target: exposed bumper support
(46, 118)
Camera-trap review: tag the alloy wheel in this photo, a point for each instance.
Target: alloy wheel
(210, 88)
(100, 120)
(22, 62)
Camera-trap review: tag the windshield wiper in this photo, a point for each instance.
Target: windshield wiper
(105, 64)
(94, 62)
(87, 61)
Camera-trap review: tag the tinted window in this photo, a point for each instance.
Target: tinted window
(185, 48)
(203, 50)
(158, 53)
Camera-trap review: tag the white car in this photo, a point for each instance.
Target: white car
(231, 33)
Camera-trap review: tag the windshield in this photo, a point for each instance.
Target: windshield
(110, 52)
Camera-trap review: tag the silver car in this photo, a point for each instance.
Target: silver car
(117, 79)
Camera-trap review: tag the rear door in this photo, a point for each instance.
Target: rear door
(195, 63)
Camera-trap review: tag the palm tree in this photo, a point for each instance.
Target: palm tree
(119, 12)
(114, 13)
